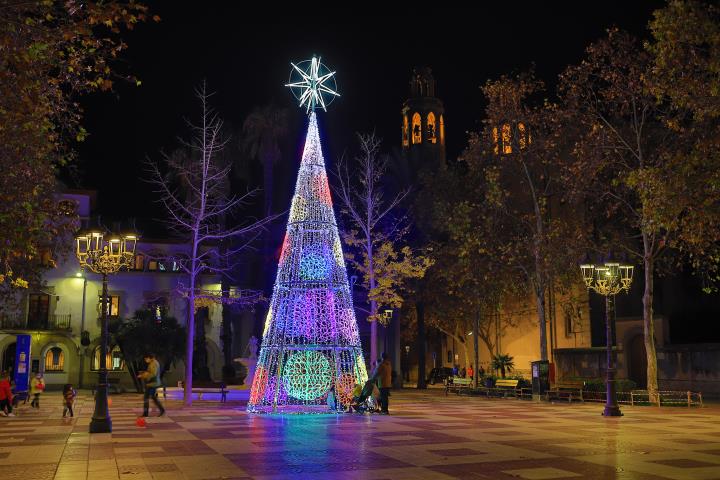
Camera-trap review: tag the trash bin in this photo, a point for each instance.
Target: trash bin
(540, 377)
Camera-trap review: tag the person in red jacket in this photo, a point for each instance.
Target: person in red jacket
(6, 396)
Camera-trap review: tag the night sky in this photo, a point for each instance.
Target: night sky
(245, 58)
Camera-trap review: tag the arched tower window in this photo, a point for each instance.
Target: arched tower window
(405, 132)
(416, 128)
(442, 131)
(506, 139)
(523, 136)
(509, 136)
(431, 128)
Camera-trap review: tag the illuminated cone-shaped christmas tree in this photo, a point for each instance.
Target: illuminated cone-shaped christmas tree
(310, 340)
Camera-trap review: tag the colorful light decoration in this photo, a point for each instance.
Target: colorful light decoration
(312, 82)
(310, 339)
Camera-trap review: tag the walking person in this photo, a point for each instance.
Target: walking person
(6, 396)
(384, 378)
(470, 372)
(37, 386)
(69, 394)
(152, 379)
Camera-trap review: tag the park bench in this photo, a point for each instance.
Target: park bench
(458, 384)
(204, 386)
(567, 391)
(505, 387)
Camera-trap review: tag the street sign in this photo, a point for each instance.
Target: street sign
(22, 363)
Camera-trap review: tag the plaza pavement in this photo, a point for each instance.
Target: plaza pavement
(428, 436)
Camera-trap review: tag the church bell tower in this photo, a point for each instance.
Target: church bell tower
(423, 123)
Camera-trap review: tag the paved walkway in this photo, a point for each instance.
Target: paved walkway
(428, 436)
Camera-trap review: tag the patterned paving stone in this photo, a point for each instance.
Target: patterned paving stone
(428, 436)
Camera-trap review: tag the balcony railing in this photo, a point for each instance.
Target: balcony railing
(53, 322)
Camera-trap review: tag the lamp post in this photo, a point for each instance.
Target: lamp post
(608, 280)
(104, 256)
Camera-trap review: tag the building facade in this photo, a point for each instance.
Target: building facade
(68, 303)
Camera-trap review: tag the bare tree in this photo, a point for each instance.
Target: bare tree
(375, 232)
(196, 198)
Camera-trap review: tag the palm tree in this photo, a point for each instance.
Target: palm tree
(263, 130)
(503, 362)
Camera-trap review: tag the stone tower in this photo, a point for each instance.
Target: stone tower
(423, 123)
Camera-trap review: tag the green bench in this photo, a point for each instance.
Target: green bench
(458, 384)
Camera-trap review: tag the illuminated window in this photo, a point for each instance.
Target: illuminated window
(431, 127)
(509, 135)
(139, 262)
(522, 136)
(114, 360)
(54, 360)
(506, 139)
(113, 305)
(405, 132)
(416, 128)
(442, 131)
(152, 265)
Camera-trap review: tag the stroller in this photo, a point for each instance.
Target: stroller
(367, 400)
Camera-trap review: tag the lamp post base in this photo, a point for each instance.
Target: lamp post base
(612, 411)
(101, 425)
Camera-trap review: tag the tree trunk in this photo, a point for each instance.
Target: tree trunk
(420, 311)
(540, 298)
(227, 340)
(649, 324)
(373, 303)
(190, 345)
(200, 364)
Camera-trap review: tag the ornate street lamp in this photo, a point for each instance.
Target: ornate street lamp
(609, 280)
(104, 256)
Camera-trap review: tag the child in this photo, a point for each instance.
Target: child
(69, 395)
(6, 396)
(332, 399)
(37, 386)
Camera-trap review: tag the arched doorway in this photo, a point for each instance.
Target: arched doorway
(637, 361)
(8, 357)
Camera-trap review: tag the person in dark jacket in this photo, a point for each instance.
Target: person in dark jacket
(152, 379)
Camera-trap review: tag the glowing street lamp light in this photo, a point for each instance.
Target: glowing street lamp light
(608, 280)
(105, 257)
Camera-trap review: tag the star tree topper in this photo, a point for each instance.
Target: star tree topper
(313, 84)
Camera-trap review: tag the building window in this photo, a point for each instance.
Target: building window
(506, 139)
(54, 360)
(113, 304)
(405, 132)
(152, 265)
(450, 356)
(38, 311)
(431, 127)
(522, 136)
(442, 131)
(139, 262)
(510, 136)
(416, 128)
(114, 359)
